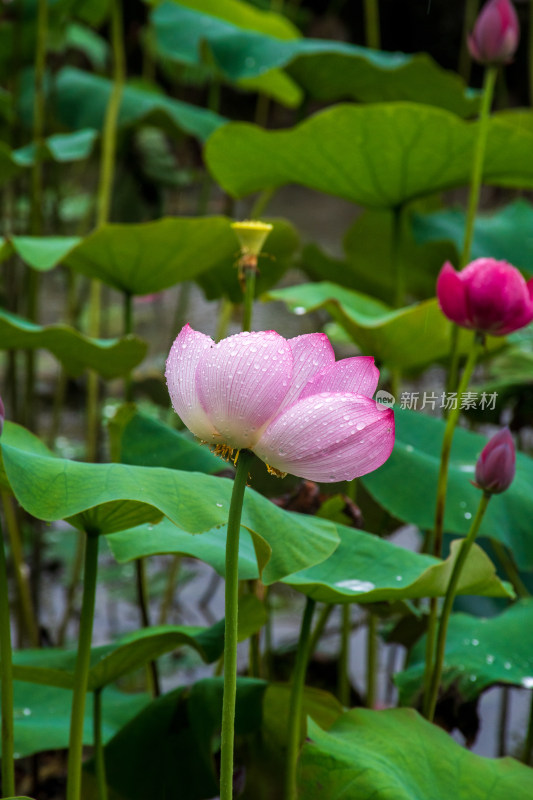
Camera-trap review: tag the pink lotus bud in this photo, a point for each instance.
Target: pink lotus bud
(488, 296)
(287, 400)
(496, 465)
(496, 33)
(2, 415)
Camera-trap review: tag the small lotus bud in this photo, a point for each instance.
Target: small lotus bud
(496, 33)
(495, 468)
(251, 235)
(2, 415)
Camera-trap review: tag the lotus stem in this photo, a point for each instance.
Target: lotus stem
(99, 754)
(473, 203)
(372, 27)
(231, 624)
(528, 744)
(503, 721)
(170, 588)
(36, 200)
(21, 570)
(224, 318)
(508, 563)
(103, 206)
(323, 618)
(451, 424)
(530, 52)
(81, 672)
(38, 118)
(371, 660)
(128, 329)
(249, 293)
(451, 592)
(442, 485)
(75, 576)
(465, 62)
(143, 603)
(479, 159)
(261, 202)
(296, 701)
(6, 676)
(344, 656)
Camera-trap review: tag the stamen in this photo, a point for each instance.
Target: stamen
(226, 452)
(273, 471)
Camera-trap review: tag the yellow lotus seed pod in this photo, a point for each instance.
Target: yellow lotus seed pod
(251, 235)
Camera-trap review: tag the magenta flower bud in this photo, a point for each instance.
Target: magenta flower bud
(488, 296)
(2, 415)
(496, 466)
(496, 33)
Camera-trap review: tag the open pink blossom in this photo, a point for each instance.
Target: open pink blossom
(285, 399)
(488, 295)
(496, 33)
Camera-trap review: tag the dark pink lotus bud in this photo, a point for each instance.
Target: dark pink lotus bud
(488, 296)
(2, 415)
(496, 465)
(496, 33)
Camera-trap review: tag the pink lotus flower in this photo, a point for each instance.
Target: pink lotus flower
(496, 466)
(496, 33)
(287, 400)
(489, 296)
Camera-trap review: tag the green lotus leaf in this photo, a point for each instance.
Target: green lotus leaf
(81, 100)
(367, 569)
(504, 234)
(147, 257)
(104, 498)
(109, 357)
(480, 653)
(55, 667)
(328, 70)
(42, 716)
(61, 147)
(370, 262)
(380, 755)
(382, 155)
(388, 334)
